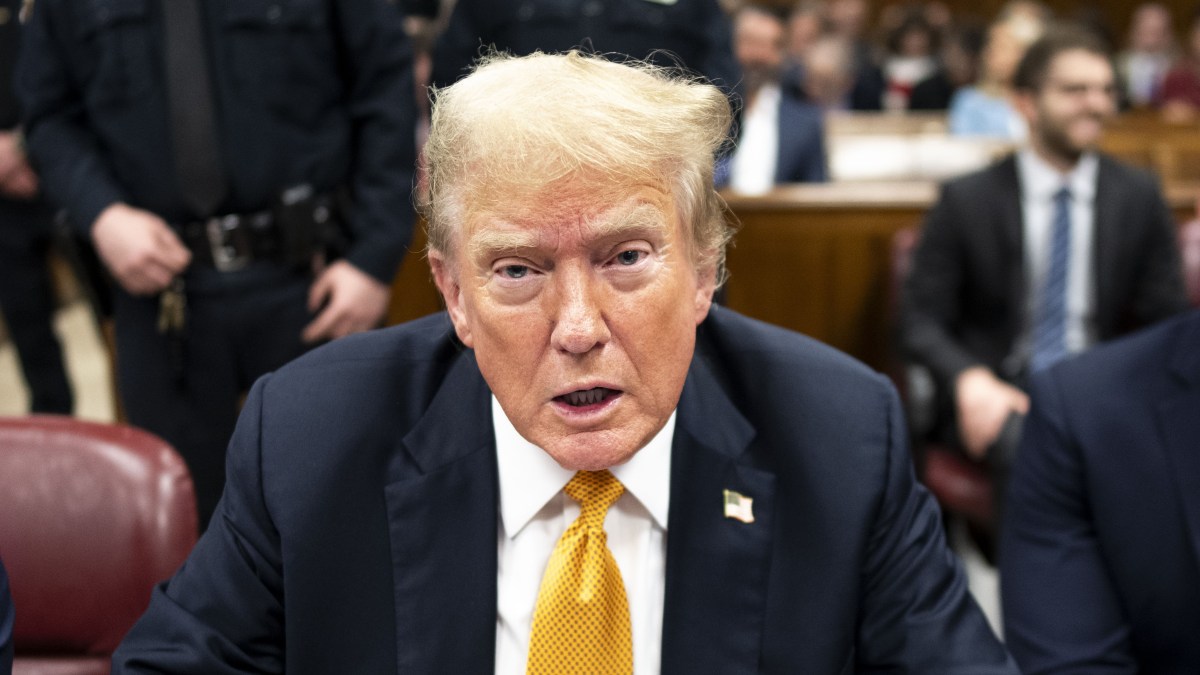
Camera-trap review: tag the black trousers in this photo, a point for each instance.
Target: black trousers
(188, 390)
(28, 302)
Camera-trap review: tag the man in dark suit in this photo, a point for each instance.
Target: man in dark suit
(403, 500)
(781, 137)
(1041, 255)
(1099, 553)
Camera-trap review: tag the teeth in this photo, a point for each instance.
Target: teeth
(588, 397)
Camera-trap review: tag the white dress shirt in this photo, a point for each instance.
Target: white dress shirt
(1039, 182)
(753, 169)
(534, 512)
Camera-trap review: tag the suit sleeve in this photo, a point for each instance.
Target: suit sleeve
(930, 303)
(379, 80)
(1159, 289)
(222, 613)
(1061, 612)
(67, 156)
(917, 613)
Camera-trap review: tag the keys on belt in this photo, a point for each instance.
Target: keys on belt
(172, 308)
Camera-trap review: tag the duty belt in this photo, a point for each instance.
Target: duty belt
(231, 242)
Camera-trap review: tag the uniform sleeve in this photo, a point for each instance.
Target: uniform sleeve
(917, 613)
(67, 156)
(222, 613)
(930, 306)
(1061, 612)
(380, 86)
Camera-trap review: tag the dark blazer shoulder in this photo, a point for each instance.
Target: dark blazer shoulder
(999, 177)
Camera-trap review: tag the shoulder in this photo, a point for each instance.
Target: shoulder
(1136, 366)
(366, 370)
(1119, 173)
(998, 178)
(769, 370)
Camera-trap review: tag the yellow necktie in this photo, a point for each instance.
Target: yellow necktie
(581, 623)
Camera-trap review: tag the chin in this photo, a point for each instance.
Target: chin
(590, 454)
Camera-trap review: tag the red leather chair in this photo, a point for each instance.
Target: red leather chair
(92, 516)
(961, 486)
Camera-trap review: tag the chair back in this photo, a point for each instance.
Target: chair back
(92, 516)
(1189, 247)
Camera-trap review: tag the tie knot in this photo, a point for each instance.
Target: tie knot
(595, 491)
(1063, 195)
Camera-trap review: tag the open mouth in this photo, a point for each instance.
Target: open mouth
(586, 398)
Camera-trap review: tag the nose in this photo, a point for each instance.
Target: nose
(581, 325)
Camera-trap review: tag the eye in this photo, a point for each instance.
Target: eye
(630, 257)
(514, 271)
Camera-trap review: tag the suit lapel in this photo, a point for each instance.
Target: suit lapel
(1179, 424)
(716, 566)
(442, 520)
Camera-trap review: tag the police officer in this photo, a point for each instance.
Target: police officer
(243, 168)
(693, 33)
(26, 292)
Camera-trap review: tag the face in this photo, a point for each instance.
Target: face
(582, 312)
(1002, 54)
(759, 45)
(1067, 115)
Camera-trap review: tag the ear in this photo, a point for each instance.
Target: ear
(1025, 103)
(445, 276)
(706, 285)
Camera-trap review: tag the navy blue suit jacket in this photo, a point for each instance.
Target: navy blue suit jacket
(801, 156)
(1099, 553)
(358, 529)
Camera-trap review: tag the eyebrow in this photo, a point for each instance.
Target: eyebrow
(641, 220)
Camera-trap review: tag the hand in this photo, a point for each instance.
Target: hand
(353, 301)
(17, 179)
(984, 403)
(139, 248)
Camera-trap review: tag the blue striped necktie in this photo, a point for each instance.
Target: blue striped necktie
(1050, 319)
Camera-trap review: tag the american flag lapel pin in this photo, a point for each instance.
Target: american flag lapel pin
(739, 507)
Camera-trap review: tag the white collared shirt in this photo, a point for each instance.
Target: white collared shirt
(1039, 182)
(752, 171)
(534, 512)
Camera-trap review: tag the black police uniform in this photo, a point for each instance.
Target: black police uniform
(26, 291)
(310, 96)
(692, 33)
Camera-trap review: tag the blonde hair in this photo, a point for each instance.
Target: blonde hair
(518, 125)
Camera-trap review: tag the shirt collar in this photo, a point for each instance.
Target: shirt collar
(1040, 180)
(530, 478)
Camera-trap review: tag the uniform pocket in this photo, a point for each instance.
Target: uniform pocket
(283, 52)
(119, 66)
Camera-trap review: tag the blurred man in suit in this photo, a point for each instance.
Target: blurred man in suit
(1099, 554)
(781, 138)
(584, 466)
(1041, 255)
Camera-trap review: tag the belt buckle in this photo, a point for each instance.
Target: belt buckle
(228, 242)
